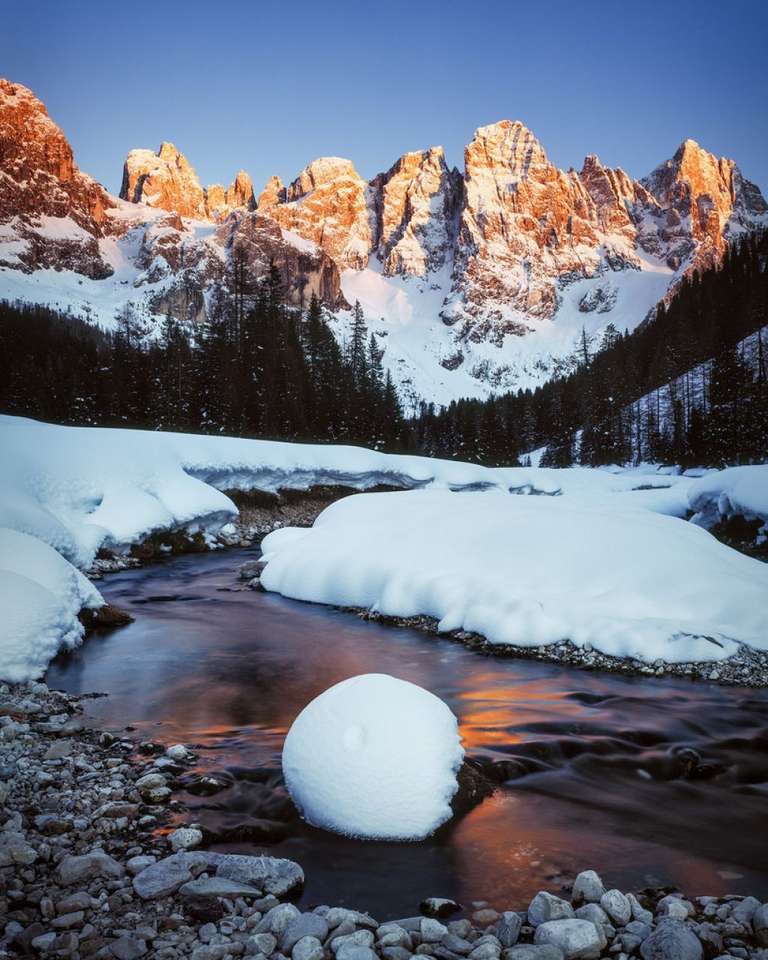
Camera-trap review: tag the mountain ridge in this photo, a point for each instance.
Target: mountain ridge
(473, 282)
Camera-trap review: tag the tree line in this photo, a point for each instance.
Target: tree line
(254, 368)
(677, 389)
(712, 412)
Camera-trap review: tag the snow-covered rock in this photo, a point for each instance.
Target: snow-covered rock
(531, 571)
(375, 757)
(735, 491)
(41, 595)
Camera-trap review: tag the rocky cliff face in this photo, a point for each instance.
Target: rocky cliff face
(53, 213)
(166, 180)
(416, 204)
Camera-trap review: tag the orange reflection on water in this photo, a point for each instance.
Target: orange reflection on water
(489, 713)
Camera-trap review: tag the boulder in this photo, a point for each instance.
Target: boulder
(578, 939)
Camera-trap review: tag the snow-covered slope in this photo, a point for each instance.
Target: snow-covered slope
(474, 282)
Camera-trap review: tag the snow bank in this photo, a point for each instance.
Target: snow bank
(374, 757)
(530, 571)
(41, 595)
(736, 491)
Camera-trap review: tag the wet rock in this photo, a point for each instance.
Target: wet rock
(271, 874)
(438, 907)
(545, 907)
(128, 948)
(671, 940)
(578, 939)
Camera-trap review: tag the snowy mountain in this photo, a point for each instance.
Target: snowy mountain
(473, 282)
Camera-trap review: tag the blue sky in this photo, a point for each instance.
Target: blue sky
(268, 86)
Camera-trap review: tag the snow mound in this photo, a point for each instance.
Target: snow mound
(736, 491)
(530, 571)
(374, 757)
(41, 595)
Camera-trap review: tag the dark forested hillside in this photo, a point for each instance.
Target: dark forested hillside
(255, 369)
(594, 414)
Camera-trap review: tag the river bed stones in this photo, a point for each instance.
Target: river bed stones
(112, 887)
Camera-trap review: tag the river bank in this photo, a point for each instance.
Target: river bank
(91, 867)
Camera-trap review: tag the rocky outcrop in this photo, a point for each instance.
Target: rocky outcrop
(416, 206)
(166, 180)
(701, 202)
(55, 213)
(273, 193)
(329, 205)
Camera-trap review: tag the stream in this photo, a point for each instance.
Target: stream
(602, 773)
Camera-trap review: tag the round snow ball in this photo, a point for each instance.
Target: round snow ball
(374, 757)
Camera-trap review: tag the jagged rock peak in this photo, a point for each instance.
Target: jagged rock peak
(164, 179)
(416, 202)
(321, 171)
(273, 193)
(40, 180)
(506, 144)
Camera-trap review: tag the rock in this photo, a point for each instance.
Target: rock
(251, 569)
(438, 907)
(617, 907)
(508, 928)
(639, 912)
(587, 888)
(271, 874)
(594, 913)
(277, 919)
(744, 911)
(305, 925)
(59, 749)
(88, 867)
(179, 753)
(164, 877)
(308, 948)
(432, 931)
(67, 920)
(675, 908)
(671, 940)
(218, 887)
(14, 849)
(185, 838)
(760, 924)
(485, 917)
(128, 948)
(44, 942)
(75, 901)
(264, 943)
(136, 864)
(578, 939)
(153, 788)
(358, 938)
(354, 951)
(545, 907)
(530, 951)
(116, 810)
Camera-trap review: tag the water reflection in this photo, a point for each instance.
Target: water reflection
(597, 777)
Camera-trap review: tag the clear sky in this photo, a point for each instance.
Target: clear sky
(268, 86)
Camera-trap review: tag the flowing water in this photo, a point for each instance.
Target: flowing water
(608, 778)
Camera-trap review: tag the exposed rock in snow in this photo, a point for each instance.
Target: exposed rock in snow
(374, 757)
(417, 201)
(328, 204)
(736, 491)
(167, 181)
